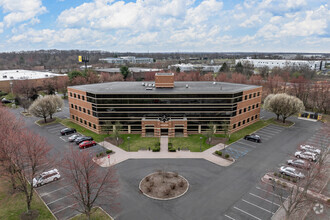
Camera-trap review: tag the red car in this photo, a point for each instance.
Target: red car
(86, 144)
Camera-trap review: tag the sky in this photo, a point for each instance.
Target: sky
(166, 25)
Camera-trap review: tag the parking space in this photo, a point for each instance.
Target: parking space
(242, 147)
(259, 203)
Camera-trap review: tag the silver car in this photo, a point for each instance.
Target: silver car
(306, 155)
(299, 163)
(73, 137)
(290, 171)
(310, 148)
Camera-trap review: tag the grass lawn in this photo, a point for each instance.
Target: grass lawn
(84, 131)
(13, 205)
(99, 214)
(192, 142)
(137, 142)
(247, 130)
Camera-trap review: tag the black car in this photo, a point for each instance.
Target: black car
(253, 137)
(82, 139)
(66, 131)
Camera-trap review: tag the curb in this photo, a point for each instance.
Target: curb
(155, 198)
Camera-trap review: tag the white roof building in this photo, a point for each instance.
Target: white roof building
(25, 74)
(313, 64)
(128, 59)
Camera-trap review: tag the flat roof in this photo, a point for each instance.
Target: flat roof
(180, 87)
(132, 69)
(25, 74)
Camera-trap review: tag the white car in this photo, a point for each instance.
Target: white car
(46, 177)
(73, 137)
(290, 171)
(310, 149)
(306, 155)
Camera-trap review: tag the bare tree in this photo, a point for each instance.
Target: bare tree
(209, 133)
(91, 184)
(116, 131)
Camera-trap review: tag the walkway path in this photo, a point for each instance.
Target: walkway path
(121, 155)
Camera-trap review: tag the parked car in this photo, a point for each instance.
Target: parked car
(81, 139)
(290, 171)
(310, 148)
(6, 101)
(85, 144)
(306, 155)
(73, 137)
(46, 177)
(299, 163)
(66, 131)
(253, 137)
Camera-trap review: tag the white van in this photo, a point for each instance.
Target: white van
(46, 177)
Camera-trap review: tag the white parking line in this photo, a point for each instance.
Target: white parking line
(59, 199)
(269, 131)
(246, 213)
(45, 194)
(265, 133)
(243, 143)
(266, 210)
(271, 193)
(273, 129)
(62, 139)
(230, 217)
(65, 208)
(264, 199)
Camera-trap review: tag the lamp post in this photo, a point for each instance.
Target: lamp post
(200, 145)
(11, 86)
(128, 143)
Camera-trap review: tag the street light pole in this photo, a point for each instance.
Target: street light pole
(128, 144)
(200, 145)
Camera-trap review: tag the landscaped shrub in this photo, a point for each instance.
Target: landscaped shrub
(275, 174)
(227, 156)
(170, 144)
(218, 153)
(97, 155)
(171, 149)
(156, 149)
(108, 151)
(157, 144)
(284, 185)
(101, 154)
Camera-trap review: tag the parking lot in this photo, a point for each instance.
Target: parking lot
(57, 195)
(259, 203)
(242, 147)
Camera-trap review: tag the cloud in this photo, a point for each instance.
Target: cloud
(20, 10)
(1, 27)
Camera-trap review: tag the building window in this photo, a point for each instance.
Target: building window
(77, 118)
(243, 122)
(94, 126)
(234, 126)
(80, 120)
(85, 122)
(257, 105)
(84, 110)
(246, 97)
(89, 124)
(258, 93)
(75, 106)
(88, 111)
(252, 118)
(252, 106)
(78, 96)
(71, 105)
(74, 95)
(248, 120)
(79, 108)
(254, 95)
(249, 108)
(83, 97)
(71, 94)
(72, 116)
(250, 96)
(256, 116)
(240, 111)
(239, 124)
(244, 109)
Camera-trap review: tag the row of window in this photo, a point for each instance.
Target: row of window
(77, 95)
(79, 108)
(248, 108)
(83, 121)
(250, 95)
(245, 120)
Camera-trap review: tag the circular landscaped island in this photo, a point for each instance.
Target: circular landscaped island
(164, 185)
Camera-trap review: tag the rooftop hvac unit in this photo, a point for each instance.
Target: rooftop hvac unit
(149, 88)
(187, 86)
(143, 84)
(4, 76)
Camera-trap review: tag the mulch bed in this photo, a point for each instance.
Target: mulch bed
(280, 122)
(164, 185)
(217, 140)
(31, 215)
(113, 140)
(48, 120)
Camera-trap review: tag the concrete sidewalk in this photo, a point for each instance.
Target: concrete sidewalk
(121, 155)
